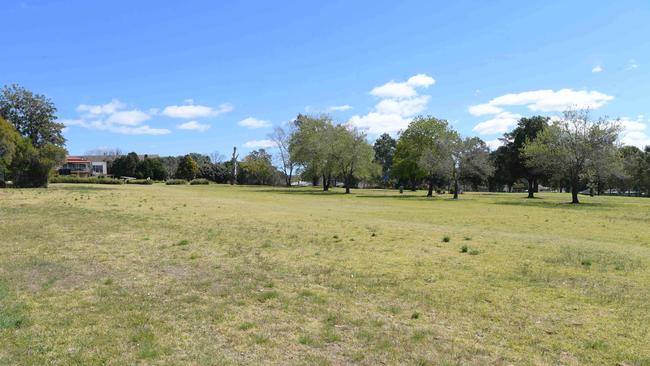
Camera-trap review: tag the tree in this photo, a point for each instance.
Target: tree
(502, 174)
(282, 140)
(257, 168)
(420, 137)
(31, 167)
(384, 148)
(312, 146)
(233, 166)
(9, 138)
(150, 168)
(187, 168)
(126, 165)
(572, 146)
(458, 159)
(527, 130)
(33, 116)
(353, 155)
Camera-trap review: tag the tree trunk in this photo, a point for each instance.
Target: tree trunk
(326, 184)
(574, 192)
(347, 189)
(531, 193)
(456, 189)
(535, 185)
(430, 192)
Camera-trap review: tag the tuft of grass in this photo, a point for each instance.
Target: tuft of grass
(267, 295)
(415, 315)
(474, 252)
(182, 243)
(446, 239)
(464, 249)
(246, 325)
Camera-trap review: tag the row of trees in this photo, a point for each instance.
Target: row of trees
(31, 141)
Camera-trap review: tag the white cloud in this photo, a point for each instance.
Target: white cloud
(260, 144)
(399, 103)
(129, 118)
(193, 126)
(110, 117)
(405, 89)
(377, 123)
(633, 132)
(537, 101)
(501, 123)
(597, 69)
(494, 144)
(189, 111)
(252, 122)
(483, 109)
(140, 130)
(340, 108)
(99, 109)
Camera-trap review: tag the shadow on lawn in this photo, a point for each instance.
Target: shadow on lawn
(540, 202)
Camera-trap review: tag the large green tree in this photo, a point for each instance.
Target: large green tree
(420, 137)
(526, 130)
(384, 148)
(187, 168)
(572, 147)
(312, 146)
(353, 155)
(33, 116)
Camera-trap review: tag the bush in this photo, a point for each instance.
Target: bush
(140, 181)
(199, 181)
(89, 180)
(171, 182)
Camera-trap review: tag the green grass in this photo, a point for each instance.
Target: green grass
(164, 274)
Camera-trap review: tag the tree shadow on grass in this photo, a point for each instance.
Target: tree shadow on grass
(540, 202)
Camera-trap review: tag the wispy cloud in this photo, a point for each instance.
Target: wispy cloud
(111, 117)
(340, 108)
(260, 144)
(252, 122)
(194, 126)
(632, 64)
(189, 111)
(597, 69)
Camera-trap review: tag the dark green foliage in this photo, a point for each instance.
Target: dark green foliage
(150, 168)
(446, 239)
(257, 168)
(125, 166)
(171, 182)
(415, 315)
(89, 180)
(464, 249)
(199, 181)
(33, 116)
(187, 168)
(527, 130)
(384, 148)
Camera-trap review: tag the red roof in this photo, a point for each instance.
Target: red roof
(76, 159)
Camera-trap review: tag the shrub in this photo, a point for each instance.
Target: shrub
(199, 181)
(89, 180)
(446, 239)
(139, 181)
(170, 182)
(464, 249)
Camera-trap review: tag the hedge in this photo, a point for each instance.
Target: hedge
(175, 182)
(140, 181)
(89, 180)
(199, 181)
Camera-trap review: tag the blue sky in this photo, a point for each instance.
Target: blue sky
(202, 76)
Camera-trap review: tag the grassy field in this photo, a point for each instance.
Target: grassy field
(257, 275)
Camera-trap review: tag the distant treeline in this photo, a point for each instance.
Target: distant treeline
(572, 153)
